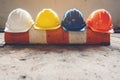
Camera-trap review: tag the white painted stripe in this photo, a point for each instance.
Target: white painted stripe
(37, 36)
(77, 37)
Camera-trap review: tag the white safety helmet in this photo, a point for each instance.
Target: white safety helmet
(19, 20)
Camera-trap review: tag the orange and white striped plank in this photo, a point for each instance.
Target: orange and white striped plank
(37, 36)
(16, 38)
(58, 36)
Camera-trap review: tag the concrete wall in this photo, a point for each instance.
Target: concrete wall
(60, 6)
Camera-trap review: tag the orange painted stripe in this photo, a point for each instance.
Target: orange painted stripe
(96, 37)
(17, 38)
(58, 36)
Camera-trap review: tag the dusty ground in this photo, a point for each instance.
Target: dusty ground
(44, 62)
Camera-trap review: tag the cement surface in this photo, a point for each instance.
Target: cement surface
(85, 62)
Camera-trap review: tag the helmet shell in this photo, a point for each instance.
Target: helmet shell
(100, 21)
(47, 19)
(19, 20)
(73, 21)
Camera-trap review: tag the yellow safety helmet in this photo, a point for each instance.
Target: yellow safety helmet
(47, 19)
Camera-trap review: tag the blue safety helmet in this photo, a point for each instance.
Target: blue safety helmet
(73, 21)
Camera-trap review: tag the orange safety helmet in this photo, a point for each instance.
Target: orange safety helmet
(100, 21)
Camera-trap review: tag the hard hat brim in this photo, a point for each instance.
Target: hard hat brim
(52, 28)
(109, 31)
(81, 30)
(16, 31)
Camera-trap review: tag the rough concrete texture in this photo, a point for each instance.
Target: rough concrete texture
(55, 62)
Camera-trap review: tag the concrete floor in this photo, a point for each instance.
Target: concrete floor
(85, 62)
